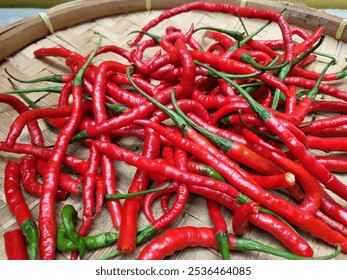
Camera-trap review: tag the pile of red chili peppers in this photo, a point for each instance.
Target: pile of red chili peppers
(236, 121)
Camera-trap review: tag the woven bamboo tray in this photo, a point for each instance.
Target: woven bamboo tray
(74, 25)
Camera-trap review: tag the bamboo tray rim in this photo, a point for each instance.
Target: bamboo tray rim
(20, 34)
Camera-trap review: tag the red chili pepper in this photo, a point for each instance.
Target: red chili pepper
(15, 247)
(219, 227)
(114, 49)
(100, 116)
(327, 144)
(47, 224)
(323, 88)
(328, 105)
(19, 208)
(128, 229)
(221, 38)
(66, 182)
(335, 164)
(242, 216)
(188, 74)
(230, 9)
(88, 189)
(180, 238)
(72, 162)
(282, 180)
(326, 123)
(150, 198)
(20, 107)
(24, 118)
(29, 181)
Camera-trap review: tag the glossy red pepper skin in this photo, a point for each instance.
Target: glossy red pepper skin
(229, 9)
(47, 219)
(20, 107)
(15, 247)
(242, 216)
(13, 194)
(28, 174)
(100, 116)
(19, 208)
(128, 230)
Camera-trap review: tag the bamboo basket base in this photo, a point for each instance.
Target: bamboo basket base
(115, 30)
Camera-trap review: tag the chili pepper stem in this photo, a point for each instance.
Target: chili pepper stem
(30, 231)
(245, 244)
(134, 194)
(222, 239)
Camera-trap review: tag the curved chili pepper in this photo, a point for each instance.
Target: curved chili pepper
(20, 107)
(101, 240)
(158, 190)
(219, 227)
(181, 238)
(24, 118)
(230, 9)
(15, 247)
(19, 208)
(242, 216)
(72, 162)
(108, 172)
(27, 167)
(47, 225)
(69, 217)
(128, 229)
(88, 188)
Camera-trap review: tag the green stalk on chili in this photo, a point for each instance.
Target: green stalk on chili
(69, 218)
(140, 193)
(101, 240)
(56, 89)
